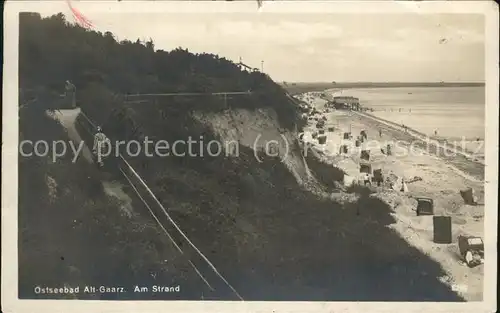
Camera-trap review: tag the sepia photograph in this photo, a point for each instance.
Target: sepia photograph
(250, 152)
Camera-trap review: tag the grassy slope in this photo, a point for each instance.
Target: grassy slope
(74, 234)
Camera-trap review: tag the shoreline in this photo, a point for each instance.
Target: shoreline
(460, 160)
(428, 139)
(466, 161)
(443, 139)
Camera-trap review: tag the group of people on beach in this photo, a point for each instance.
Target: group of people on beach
(392, 110)
(405, 128)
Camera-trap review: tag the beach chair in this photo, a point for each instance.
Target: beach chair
(378, 177)
(363, 134)
(471, 249)
(442, 229)
(322, 140)
(468, 196)
(343, 149)
(365, 168)
(425, 206)
(365, 155)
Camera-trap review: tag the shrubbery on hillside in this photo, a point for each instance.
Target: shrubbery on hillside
(327, 174)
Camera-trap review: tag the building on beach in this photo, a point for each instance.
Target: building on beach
(345, 103)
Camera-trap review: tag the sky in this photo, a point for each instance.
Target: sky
(314, 47)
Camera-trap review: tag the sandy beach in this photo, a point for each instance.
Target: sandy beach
(442, 175)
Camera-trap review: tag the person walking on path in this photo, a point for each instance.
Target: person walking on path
(101, 141)
(71, 93)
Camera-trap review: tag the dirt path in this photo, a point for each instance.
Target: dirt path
(67, 119)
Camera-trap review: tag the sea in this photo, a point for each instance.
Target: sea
(454, 113)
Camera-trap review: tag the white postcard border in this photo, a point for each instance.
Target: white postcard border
(10, 301)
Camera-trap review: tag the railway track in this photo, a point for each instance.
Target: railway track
(209, 274)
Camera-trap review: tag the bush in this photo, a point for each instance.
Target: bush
(101, 67)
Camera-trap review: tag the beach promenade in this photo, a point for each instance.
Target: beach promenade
(441, 171)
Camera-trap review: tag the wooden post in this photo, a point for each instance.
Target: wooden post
(73, 99)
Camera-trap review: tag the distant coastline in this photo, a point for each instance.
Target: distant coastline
(300, 87)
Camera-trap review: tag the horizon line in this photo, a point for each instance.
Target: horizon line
(385, 82)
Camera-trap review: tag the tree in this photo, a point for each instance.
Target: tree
(53, 50)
